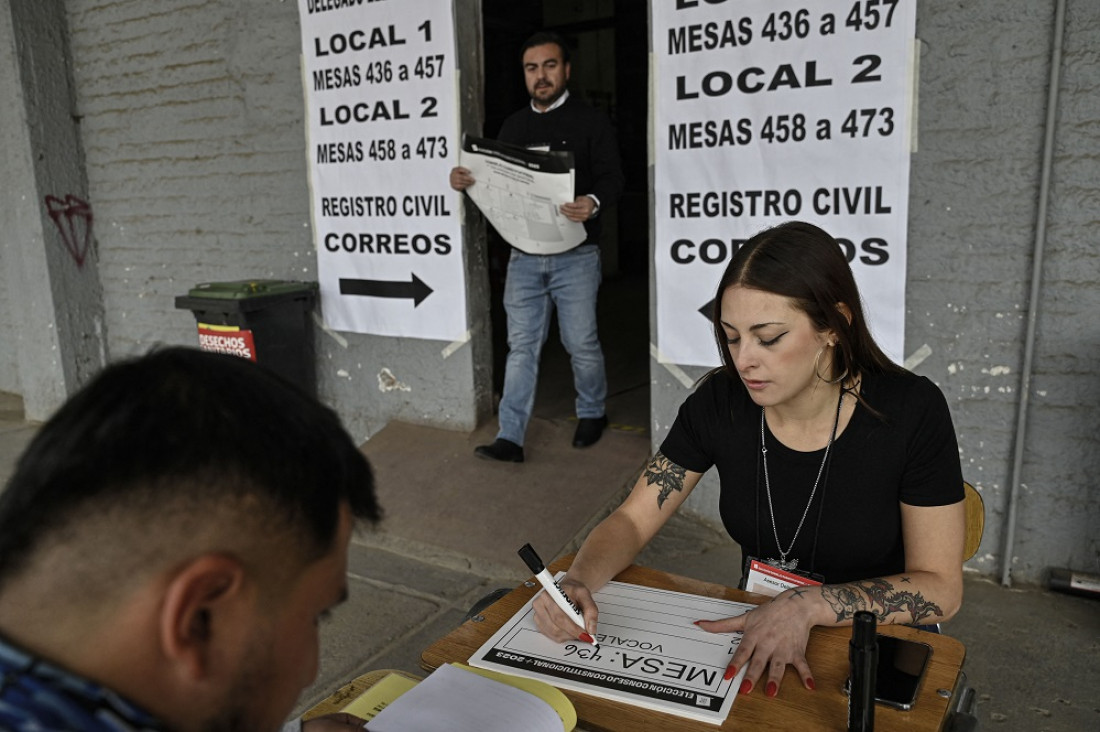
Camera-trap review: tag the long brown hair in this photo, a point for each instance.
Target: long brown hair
(802, 262)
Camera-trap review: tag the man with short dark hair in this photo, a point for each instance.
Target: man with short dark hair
(568, 281)
(168, 544)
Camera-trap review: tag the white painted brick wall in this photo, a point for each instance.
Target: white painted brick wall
(192, 120)
(195, 143)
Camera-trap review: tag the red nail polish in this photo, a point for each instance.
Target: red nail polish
(810, 684)
(772, 688)
(731, 671)
(586, 638)
(696, 622)
(746, 686)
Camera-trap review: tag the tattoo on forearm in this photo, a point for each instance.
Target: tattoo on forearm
(881, 598)
(665, 474)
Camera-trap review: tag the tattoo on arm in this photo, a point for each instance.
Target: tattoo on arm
(665, 474)
(879, 597)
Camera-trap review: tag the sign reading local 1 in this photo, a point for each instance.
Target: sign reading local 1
(771, 110)
(380, 100)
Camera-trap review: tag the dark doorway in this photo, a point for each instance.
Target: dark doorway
(608, 43)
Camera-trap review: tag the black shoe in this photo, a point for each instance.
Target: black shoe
(589, 431)
(504, 450)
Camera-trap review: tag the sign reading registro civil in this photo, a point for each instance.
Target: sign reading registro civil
(771, 110)
(381, 126)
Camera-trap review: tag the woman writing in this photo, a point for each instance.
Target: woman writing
(832, 461)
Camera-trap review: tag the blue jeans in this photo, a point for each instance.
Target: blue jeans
(535, 285)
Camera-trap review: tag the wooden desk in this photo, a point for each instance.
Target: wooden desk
(795, 708)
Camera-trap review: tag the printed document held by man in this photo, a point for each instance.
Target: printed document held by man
(519, 191)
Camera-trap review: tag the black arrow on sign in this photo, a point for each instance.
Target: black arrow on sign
(707, 311)
(415, 289)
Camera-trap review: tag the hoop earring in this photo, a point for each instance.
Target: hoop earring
(837, 380)
(840, 379)
(817, 363)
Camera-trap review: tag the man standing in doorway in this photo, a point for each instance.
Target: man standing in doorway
(568, 281)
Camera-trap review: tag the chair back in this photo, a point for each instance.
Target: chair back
(975, 521)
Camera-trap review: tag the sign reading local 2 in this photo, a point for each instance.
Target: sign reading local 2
(380, 101)
(773, 110)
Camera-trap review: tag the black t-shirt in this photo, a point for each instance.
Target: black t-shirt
(906, 454)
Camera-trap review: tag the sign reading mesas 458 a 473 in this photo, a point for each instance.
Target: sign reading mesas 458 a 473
(379, 81)
(772, 110)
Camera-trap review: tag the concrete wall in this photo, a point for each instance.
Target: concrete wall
(191, 119)
(974, 198)
(9, 371)
(9, 146)
(57, 330)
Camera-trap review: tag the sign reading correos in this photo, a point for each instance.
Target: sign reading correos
(381, 117)
(775, 110)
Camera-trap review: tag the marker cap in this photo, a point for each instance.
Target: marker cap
(531, 559)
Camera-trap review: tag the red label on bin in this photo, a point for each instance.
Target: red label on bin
(227, 339)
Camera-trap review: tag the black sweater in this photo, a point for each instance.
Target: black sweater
(587, 133)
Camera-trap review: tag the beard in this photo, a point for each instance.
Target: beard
(245, 704)
(548, 94)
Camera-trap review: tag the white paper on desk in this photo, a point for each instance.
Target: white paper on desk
(451, 699)
(519, 192)
(651, 653)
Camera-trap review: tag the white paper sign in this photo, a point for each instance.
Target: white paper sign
(651, 653)
(381, 119)
(521, 191)
(771, 110)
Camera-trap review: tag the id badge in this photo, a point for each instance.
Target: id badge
(767, 579)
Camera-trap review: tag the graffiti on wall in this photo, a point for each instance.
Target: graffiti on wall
(73, 219)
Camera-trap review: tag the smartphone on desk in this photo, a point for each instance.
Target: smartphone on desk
(901, 667)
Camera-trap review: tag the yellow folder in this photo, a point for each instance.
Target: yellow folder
(382, 694)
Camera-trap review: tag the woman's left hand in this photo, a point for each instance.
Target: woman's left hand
(775, 637)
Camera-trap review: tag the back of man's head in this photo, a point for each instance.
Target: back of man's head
(175, 531)
(168, 443)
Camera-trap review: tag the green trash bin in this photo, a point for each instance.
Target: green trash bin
(266, 321)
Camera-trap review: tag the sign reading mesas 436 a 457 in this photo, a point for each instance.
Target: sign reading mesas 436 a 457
(774, 110)
(379, 82)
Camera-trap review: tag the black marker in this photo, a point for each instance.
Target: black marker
(863, 663)
(554, 590)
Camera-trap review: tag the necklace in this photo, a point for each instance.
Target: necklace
(782, 562)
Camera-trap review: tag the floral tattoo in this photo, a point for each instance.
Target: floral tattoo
(665, 474)
(879, 597)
